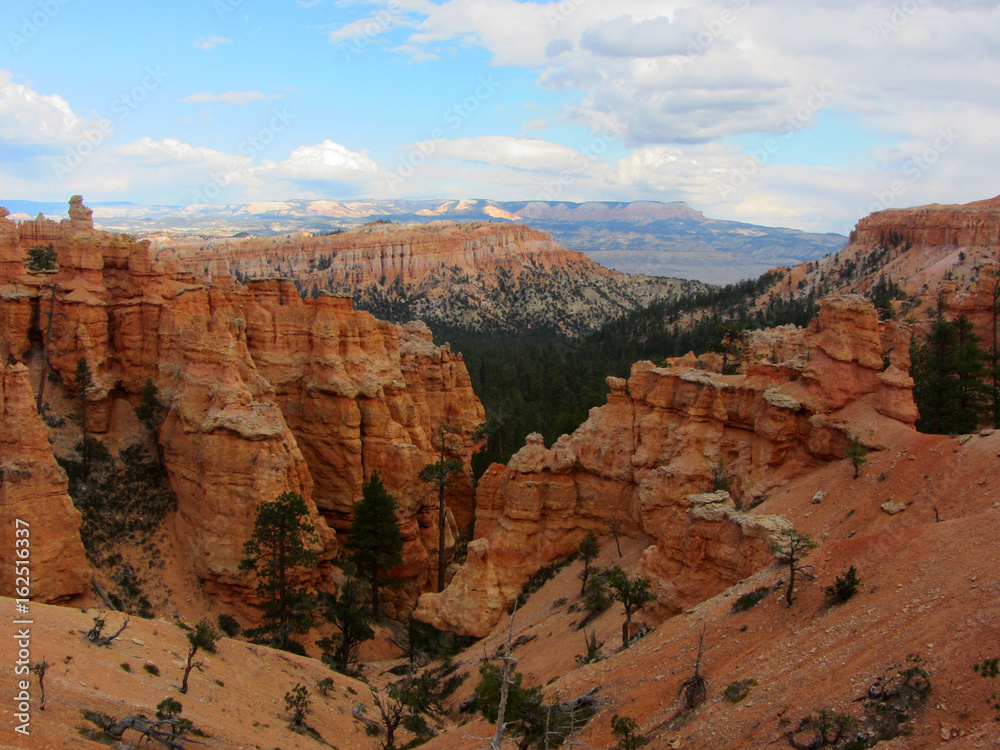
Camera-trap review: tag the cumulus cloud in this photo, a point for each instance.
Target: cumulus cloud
(327, 161)
(226, 97)
(29, 117)
(212, 42)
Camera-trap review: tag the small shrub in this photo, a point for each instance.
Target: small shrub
(417, 724)
(750, 600)
(325, 686)
(989, 669)
(844, 586)
(102, 721)
(824, 727)
(626, 729)
(229, 625)
(593, 649)
(539, 578)
(722, 479)
(170, 710)
(893, 697)
(294, 647)
(597, 596)
(857, 452)
(152, 669)
(737, 691)
(298, 702)
(126, 667)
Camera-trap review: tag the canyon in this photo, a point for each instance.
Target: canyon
(686, 475)
(646, 458)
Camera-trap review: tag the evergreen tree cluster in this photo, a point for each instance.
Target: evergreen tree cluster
(280, 548)
(954, 381)
(547, 383)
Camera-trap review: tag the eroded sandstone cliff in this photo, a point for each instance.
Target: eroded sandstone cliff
(265, 392)
(484, 276)
(928, 258)
(34, 505)
(645, 457)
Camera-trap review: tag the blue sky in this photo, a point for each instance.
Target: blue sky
(768, 111)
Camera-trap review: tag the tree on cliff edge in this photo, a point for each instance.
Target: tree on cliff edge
(277, 548)
(440, 473)
(375, 541)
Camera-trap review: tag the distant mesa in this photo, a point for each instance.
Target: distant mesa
(646, 237)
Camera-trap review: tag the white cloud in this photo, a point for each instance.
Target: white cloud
(535, 125)
(211, 42)
(327, 161)
(29, 117)
(226, 97)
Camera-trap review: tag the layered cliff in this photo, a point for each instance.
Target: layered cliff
(484, 276)
(643, 459)
(925, 258)
(265, 392)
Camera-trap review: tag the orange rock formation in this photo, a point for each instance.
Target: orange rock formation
(266, 392)
(33, 492)
(481, 275)
(644, 457)
(940, 256)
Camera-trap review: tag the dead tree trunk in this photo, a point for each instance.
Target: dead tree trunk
(508, 662)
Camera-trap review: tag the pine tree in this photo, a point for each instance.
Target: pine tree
(970, 372)
(204, 638)
(84, 380)
(633, 593)
(789, 547)
(948, 373)
(589, 550)
(354, 626)
(375, 542)
(275, 551)
(440, 473)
